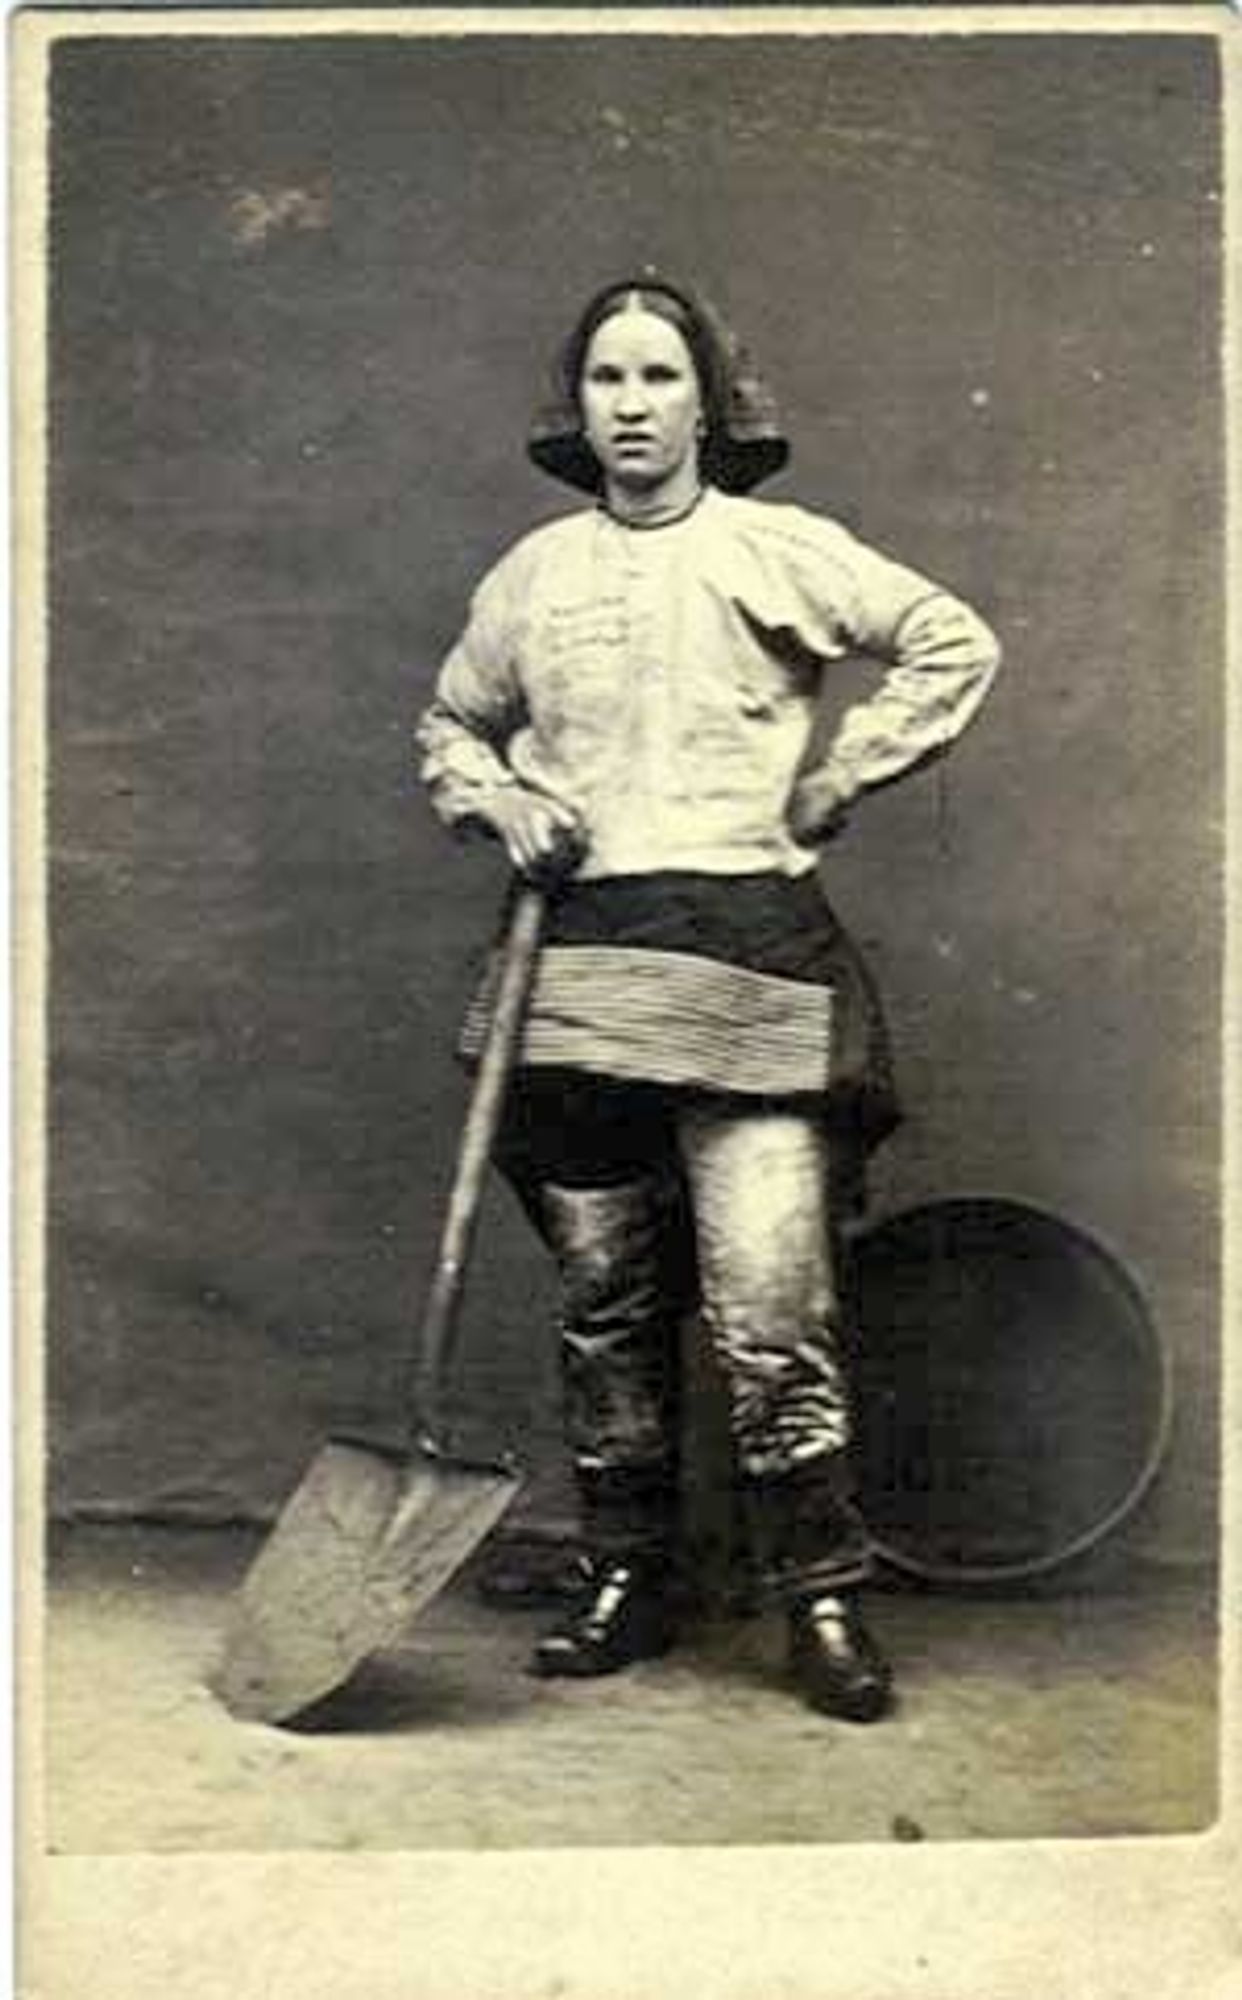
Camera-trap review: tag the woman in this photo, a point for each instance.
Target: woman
(629, 712)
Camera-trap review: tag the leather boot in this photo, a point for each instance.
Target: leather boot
(836, 1662)
(624, 1618)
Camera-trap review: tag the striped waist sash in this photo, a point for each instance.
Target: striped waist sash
(669, 1017)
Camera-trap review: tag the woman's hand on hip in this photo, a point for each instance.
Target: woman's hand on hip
(817, 809)
(542, 836)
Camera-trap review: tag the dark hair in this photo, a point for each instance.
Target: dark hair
(743, 441)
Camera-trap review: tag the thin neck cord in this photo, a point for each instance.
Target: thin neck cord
(654, 520)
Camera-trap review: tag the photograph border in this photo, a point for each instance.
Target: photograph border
(1117, 1919)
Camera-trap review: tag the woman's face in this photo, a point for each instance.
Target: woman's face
(642, 407)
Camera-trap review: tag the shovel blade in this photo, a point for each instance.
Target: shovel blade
(366, 1540)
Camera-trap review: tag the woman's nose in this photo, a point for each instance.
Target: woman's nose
(632, 398)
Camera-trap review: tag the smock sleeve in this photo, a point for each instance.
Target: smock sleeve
(461, 736)
(939, 658)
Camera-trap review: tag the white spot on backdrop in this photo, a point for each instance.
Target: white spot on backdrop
(254, 214)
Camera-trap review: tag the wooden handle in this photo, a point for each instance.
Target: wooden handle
(517, 968)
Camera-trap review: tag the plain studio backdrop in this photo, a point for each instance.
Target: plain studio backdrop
(303, 292)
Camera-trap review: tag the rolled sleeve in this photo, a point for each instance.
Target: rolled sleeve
(460, 737)
(942, 659)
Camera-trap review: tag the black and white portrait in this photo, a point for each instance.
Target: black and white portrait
(742, 495)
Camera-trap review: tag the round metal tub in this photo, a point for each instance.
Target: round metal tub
(1014, 1390)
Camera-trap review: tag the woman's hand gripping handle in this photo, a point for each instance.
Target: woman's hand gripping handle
(544, 838)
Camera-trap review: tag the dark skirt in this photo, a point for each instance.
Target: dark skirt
(743, 986)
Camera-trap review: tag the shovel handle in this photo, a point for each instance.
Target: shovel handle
(517, 968)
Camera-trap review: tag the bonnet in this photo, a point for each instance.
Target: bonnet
(744, 442)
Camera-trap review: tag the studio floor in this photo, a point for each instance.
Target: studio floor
(1090, 1711)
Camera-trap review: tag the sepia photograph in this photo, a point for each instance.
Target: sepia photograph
(622, 979)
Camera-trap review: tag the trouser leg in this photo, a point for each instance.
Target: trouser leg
(758, 1187)
(619, 1323)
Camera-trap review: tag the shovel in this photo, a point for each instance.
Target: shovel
(375, 1530)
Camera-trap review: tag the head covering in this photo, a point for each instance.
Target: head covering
(743, 441)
